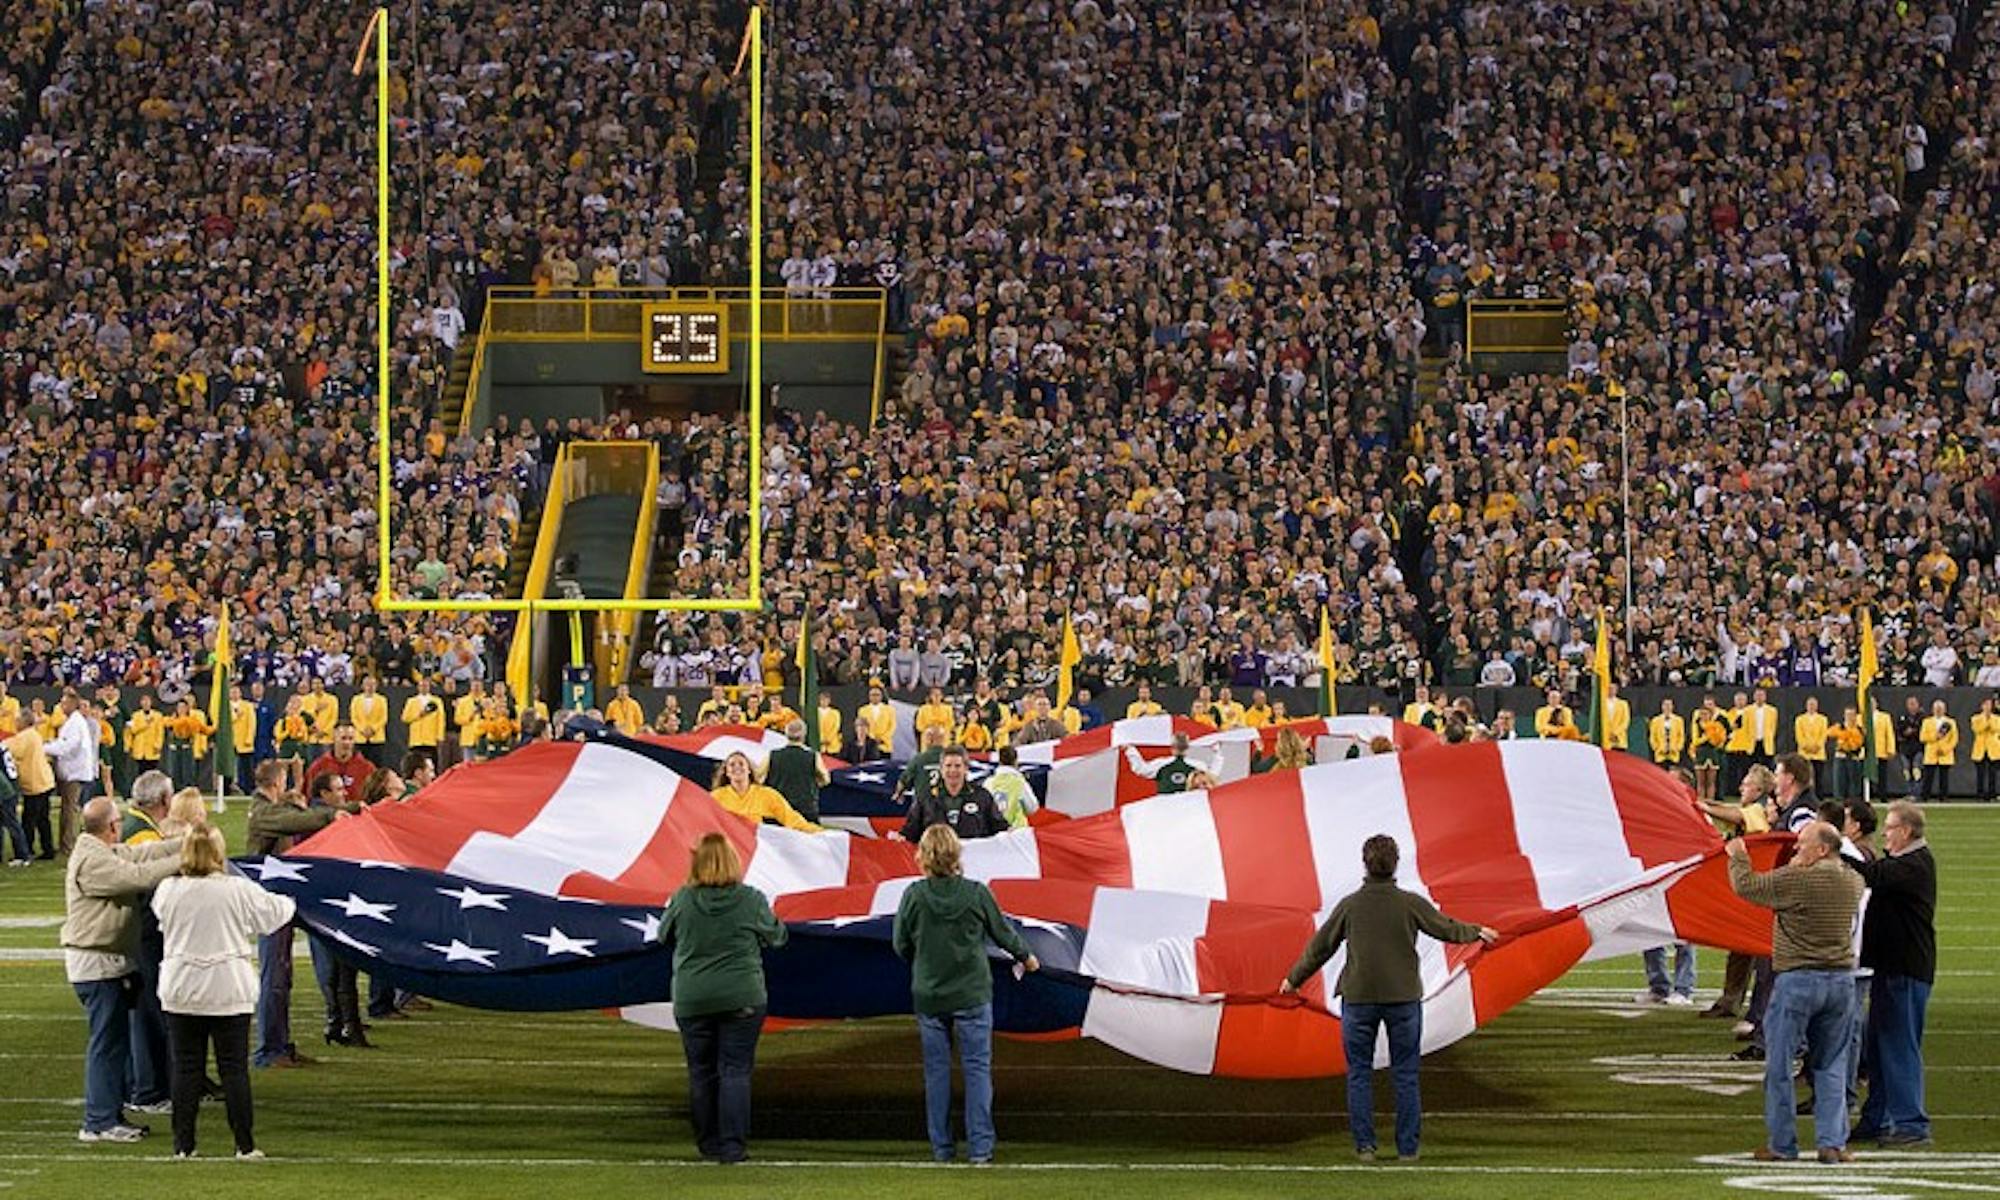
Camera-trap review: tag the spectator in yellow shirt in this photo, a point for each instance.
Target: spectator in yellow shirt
(423, 717)
(1986, 749)
(368, 712)
(880, 717)
(934, 713)
(624, 712)
(1228, 713)
(1258, 714)
(1144, 705)
(1666, 734)
(145, 735)
(1556, 719)
(829, 726)
(973, 733)
(1809, 732)
(322, 713)
(1939, 734)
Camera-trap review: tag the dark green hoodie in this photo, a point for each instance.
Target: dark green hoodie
(718, 935)
(942, 927)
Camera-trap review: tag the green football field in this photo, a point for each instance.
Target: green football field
(1579, 1092)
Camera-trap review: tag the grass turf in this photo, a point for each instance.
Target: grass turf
(1576, 1093)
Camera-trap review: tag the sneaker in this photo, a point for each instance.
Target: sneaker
(117, 1133)
(1750, 1053)
(1649, 998)
(982, 1162)
(1835, 1154)
(249, 1155)
(1367, 1156)
(1766, 1154)
(183, 1155)
(1408, 1158)
(1717, 1011)
(151, 1107)
(1679, 1001)
(1897, 1140)
(1742, 1030)
(21, 862)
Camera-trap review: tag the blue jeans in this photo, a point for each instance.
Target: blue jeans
(274, 998)
(10, 826)
(383, 999)
(975, 1059)
(107, 1056)
(323, 967)
(1895, 1042)
(1813, 1007)
(1656, 970)
(1358, 1023)
(721, 1050)
(1856, 1021)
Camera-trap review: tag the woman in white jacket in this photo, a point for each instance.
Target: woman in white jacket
(211, 921)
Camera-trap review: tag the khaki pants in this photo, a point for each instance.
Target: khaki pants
(74, 796)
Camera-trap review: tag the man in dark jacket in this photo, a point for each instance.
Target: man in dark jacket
(1899, 942)
(968, 808)
(1380, 984)
(795, 771)
(276, 818)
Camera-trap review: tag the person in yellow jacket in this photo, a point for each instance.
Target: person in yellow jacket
(10, 712)
(1228, 713)
(1617, 719)
(322, 713)
(1667, 735)
(35, 775)
(466, 718)
(1257, 714)
(368, 712)
(1939, 734)
(1421, 711)
(737, 790)
(973, 733)
(934, 713)
(1145, 705)
(188, 730)
(242, 722)
(1986, 749)
(1885, 744)
(880, 717)
(1809, 733)
(1763, 719)
(778, 715)
(146, 735)
(1740, 752)
(830, 730)
(423, 719)
(624, 712)
(290, 740)
(1556, 719)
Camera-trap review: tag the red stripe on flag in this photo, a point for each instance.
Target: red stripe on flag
(1268, 1041)
(1505, 975)
(1266, 844)
(1660, 820)
(1470, 862)
(1247, 948)
(1092, 850)
(428, 830)
(663, 866)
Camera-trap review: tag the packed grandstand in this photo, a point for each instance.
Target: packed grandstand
(1183, 302)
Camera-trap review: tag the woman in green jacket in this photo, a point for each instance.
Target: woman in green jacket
(942, 926)
(719, 928)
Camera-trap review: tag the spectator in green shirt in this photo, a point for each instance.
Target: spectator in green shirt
(719, 929)
(942, 927)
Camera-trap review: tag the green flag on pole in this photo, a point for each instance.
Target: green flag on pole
(808, 682)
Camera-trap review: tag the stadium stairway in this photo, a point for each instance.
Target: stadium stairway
(457, 379)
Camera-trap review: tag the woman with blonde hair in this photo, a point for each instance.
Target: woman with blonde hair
(187, 810)
(736, 788)
(210, 921)
(719, 928)
(942, 927)
(1290, 754)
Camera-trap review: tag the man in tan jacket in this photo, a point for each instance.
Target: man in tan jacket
(102, 886)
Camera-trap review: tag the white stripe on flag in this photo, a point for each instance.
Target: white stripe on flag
(1174, 846)
(1014, 855)
(1171, 1033)
(600, 819)
(1084, 787)
(1346, 804)
(1448, 1016)
(789, 861)
(1145, 939)
(1567, 821)
(889, 896)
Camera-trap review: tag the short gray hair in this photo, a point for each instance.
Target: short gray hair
(152, 790)
(1911, 816)
(795, 730)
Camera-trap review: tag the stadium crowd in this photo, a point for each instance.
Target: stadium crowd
(1165, 321)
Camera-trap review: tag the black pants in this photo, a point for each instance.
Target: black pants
(15, 841)
(1989, 777)
(35, 818)
(1736, 978)
(721, 1049)
(1937, 781)
(190, 1037)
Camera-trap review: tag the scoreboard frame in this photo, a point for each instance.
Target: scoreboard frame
(687, 356)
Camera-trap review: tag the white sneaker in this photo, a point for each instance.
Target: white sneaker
(156, 1108)
(117, 1133)
(249, 1155)
(1647, 997)
(1679, 1001)
(184, 1155)
(1743, 1029)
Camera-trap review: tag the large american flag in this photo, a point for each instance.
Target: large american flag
(1167, 922)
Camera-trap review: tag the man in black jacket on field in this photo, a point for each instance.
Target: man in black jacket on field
(1899, 942)
(968, 808)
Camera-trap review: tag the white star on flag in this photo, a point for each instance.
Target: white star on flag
(471, 897)
(277, 868)
(379, 865)
(355, 906)
(460, 952)
(648, 927)
(344, 939)
(868, 777)
(558, 942)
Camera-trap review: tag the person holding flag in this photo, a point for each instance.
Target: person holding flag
(1072, 654)
(222, 701)
(1880, 743)
(1329, 669)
